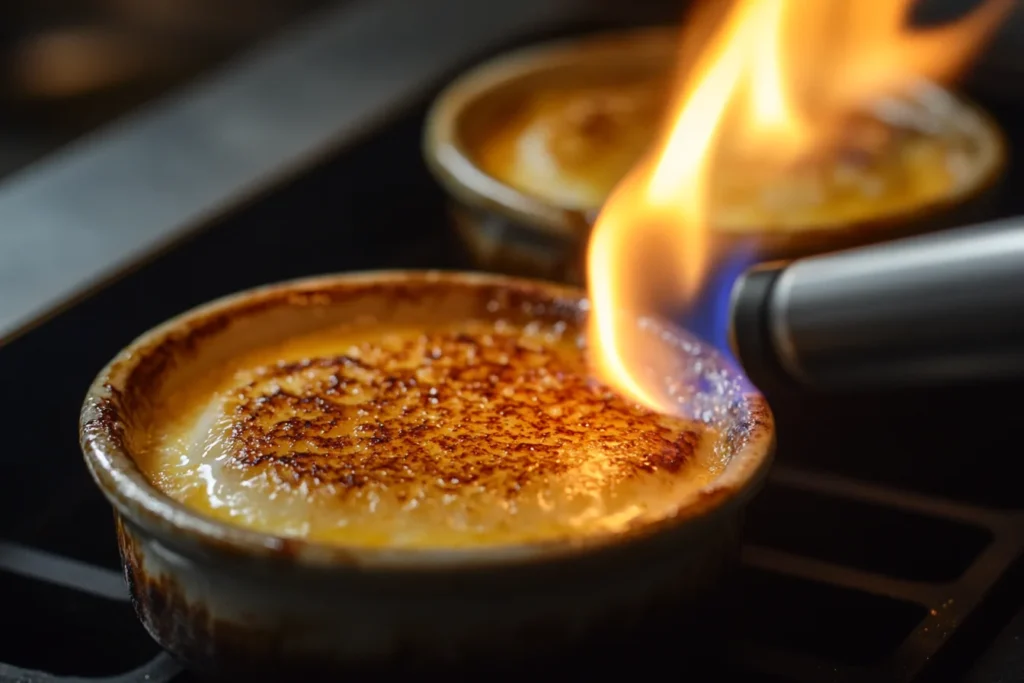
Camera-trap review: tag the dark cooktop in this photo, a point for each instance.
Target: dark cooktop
(884, 548)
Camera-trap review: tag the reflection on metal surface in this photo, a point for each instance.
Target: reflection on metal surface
(161, 669)
(62, 571)
(102, 204)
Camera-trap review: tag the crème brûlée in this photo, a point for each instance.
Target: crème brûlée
(569, 146)
(471, 433)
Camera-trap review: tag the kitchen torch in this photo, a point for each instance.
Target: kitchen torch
(940, 308)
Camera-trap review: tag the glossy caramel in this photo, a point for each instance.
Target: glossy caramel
(481, 432)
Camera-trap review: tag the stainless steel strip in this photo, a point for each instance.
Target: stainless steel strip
(160, 669)
(832, 485)
(62, 571)
(106, 202)
(834, 574)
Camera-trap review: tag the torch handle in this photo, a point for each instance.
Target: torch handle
(940, 308)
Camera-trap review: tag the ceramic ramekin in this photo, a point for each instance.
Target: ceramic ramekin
(229, 601)
(511, 231)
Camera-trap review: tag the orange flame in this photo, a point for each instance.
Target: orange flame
(775, 74)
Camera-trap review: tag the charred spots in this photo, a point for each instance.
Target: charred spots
(499, 409)
(670, 452)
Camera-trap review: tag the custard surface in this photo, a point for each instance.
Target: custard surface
(571, 146)
(468, 434)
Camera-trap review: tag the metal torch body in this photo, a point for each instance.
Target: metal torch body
(941, 308)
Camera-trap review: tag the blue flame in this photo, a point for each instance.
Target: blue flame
(708, 316)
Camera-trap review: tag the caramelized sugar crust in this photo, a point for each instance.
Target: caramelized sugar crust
(475, 433)
(448, 410)
(571, 146)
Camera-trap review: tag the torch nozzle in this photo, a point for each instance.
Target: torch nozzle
(940, 308)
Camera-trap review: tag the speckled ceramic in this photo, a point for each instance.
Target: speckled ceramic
(230, 601)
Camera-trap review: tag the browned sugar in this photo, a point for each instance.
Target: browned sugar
(476, 433)
(571, 147)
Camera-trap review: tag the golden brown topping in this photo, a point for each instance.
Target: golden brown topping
(571, 147)
(468, 432)
(574, 144)
(492, 408)
(602, 124)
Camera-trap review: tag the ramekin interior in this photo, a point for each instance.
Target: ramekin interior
(190, 342)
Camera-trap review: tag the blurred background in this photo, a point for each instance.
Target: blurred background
(155, 154)
(70, 65)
